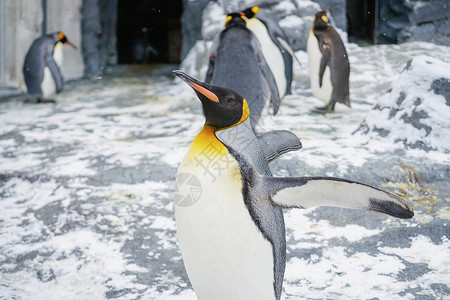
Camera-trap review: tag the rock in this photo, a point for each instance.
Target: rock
(414, 113)
(213, 21)
(425, 12)
(192, 24)
(296, 30)
(338, 10)
(196, 61)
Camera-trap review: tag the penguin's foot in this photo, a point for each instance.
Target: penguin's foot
(39, 100)
(329, 108)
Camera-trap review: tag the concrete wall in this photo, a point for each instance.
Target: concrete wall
(21, 23)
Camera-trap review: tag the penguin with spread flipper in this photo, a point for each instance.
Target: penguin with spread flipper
(237, 62)
(229, 221)
(41, 68)
(329, 67)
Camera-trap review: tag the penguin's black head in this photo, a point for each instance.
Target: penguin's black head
(222, 106)
(63, 39)
(322, 19)
(251, 12)
(235, 19)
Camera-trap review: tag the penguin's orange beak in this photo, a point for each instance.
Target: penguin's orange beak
(198, 86)
(70, 44)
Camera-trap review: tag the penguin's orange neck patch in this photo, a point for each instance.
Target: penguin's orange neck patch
(206, 144)
(245, 113)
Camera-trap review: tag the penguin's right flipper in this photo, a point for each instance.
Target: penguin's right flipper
(277, 142)
(56, 73)
(268, 76)
(326, 54)
(305, 192)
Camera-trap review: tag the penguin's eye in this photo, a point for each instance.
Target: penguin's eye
(228, 100)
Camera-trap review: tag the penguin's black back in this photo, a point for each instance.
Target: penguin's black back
(339, 64)
(237, 66)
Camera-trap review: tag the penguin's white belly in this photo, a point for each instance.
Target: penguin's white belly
(325, 91)
(225, 254)
(271, 53)
(48, 86)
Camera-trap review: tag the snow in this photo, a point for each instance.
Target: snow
(411, 97)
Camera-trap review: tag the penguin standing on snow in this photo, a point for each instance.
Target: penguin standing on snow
(276, 50)
(231, 230)
(41, 67)
(329, 67)
(237, 62)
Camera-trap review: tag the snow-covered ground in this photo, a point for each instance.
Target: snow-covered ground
(85, 185)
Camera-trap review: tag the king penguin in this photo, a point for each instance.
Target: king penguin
(41, 68)
(231, 233)
(329, 67)
(275, 48)
(237, 62)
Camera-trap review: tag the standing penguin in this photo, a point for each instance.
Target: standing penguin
(237, 62)
(329, 67)
(41, 67)
(230, 227)
(276, 50)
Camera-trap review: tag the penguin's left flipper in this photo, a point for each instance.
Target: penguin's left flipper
(56, 73)
(305, 192)
(210, 70)
(277, 142)
(212, 58)
(326, 54)
(288, 48)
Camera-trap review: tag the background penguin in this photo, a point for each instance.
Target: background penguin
(275, 48)
(328, 63)
(237, 62)
(40, 69)
(232, 238)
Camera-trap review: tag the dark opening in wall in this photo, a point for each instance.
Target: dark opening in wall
(149, 31)
(362, 21)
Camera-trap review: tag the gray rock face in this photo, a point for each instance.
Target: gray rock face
(430, 11)
(192, 24)
(98, 35)
(414, 20)
(338, 10)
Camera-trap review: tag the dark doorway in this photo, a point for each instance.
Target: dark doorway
(149, 31)
(361, 21)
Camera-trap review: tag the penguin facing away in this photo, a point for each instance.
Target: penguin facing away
(237, 62)
(41, 66)
(232, 238)
(329, 66)
(275, 48)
